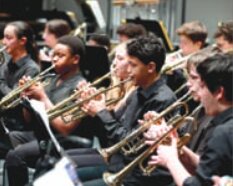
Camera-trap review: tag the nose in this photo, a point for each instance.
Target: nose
(55, 58)
(4, 41)
(188, 83)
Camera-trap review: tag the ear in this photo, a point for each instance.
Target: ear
(220, 93)
(23, 40)
(198, 44)
(151, 67)
(76, 59)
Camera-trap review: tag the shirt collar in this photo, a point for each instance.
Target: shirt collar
(223, 116)
(21, 62)
(154, 88)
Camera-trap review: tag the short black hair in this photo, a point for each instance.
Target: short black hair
(131, 30)
(148, 49)
(216, 72)
(75, 44)
(101, 39)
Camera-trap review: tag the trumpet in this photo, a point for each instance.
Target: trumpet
(175, 60)
(74, 111)
(116, 179)
(13, 98)
(125, 144)
(73, 97)
(175, 64)
(2, 58)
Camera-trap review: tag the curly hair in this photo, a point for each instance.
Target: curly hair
(148, 49)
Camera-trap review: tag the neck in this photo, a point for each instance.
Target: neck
(151, 79)
(225, 106)
(18, 54)
(69, 73)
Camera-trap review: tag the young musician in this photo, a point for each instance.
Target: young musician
(192, 37)
(54, 29)
(145, 56)
(216, 98)
(21, 47)
(129, 31)
(68, 54)
(224, 37)
(100, 40)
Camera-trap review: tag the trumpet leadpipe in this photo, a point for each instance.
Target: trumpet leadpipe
(70, 109)
(116, 179)
(76, 93)
(11, 99)
(108, 152)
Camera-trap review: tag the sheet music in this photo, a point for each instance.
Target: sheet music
(63, 174)
(40, 108)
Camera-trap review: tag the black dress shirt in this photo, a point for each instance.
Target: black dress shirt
(11, 73)
(199, 131)
(217, 157)
(155, 98)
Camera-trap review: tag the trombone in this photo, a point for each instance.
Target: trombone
(125, 144)
(13, 98)
(74, 111)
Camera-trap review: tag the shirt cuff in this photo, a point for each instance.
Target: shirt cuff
(105, 116)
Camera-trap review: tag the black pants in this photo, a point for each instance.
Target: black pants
(24, 155)
(91, 166)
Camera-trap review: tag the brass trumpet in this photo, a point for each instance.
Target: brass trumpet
(125, 144)
(74, 110)
(2, 58)
(74, 96)
(116, 179)
(173, 64)
(13, 98)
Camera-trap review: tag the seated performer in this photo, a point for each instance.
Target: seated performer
(68, 54)
(145, 56)
(54, 29)
(216, 98)
(21, 47)
(224, 37)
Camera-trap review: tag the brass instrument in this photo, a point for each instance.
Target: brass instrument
(74, 111)
(132, 138)
(116, 179)
(181, 88)
(175, 64)
(13, 98)
(2, 58)
(175, 60)
(74, 96)
(81, 31)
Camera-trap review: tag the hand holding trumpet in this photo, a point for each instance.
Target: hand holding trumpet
(166, 154)
(95, 105)
(35, 91)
